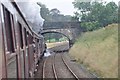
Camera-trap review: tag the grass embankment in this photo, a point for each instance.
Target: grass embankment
(98, 51)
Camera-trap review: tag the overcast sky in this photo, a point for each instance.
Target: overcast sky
(65, 6)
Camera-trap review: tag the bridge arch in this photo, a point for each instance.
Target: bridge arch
(70, 41)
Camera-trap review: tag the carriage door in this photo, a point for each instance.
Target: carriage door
(10, 44)
(26, 67)
(21, 50)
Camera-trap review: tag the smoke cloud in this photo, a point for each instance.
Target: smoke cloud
(31, 12)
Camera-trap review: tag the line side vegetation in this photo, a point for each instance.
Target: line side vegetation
(97, 48)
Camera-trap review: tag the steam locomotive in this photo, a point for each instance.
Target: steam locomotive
(21, 47)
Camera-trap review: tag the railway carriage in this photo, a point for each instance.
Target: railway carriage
(21, 47)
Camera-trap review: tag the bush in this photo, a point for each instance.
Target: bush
(90, 26)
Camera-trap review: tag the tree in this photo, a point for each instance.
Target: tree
(52, 15)
(84, 6)
(111, 8)
(53, 18)
(54, 11)
(96, 14)
(44, 12)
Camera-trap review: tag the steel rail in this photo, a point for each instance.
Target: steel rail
(43, 70)
(53, 67)
(69, 68)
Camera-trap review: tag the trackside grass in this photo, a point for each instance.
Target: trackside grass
(98, 51)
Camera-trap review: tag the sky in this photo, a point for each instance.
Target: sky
(65, 6)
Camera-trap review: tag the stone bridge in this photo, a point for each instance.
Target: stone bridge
(69, 33)
(71, 30)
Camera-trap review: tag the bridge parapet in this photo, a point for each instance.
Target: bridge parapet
(60, 25)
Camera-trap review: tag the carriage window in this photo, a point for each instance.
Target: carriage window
(25, 34)
(20, 35)
(28, 38)
(31, 39)
(37, 40)
(8, 30)
(14, 38)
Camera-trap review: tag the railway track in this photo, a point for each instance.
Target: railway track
(60, 48)
(58, 66)
(47, 70)
(75, 76)
(43, 74)
(55, 70)
(53, 67)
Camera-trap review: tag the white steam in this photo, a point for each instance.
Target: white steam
(31, 12)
